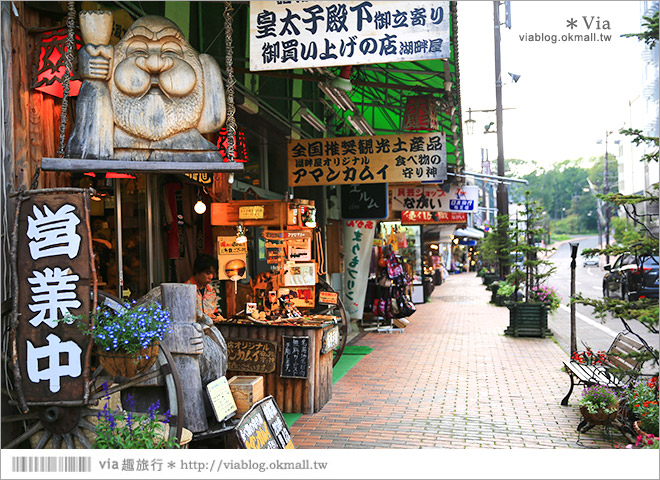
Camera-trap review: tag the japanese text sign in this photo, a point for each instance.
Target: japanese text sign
(286, 35)
(409, 217)
(263, 427)
(358, 242)
(432, 198)
(404, 158)
(53, 276)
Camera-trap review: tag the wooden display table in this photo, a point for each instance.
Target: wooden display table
(295, 352)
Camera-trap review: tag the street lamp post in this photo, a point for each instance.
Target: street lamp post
(574, 249)
(606, 190)
(502, 193)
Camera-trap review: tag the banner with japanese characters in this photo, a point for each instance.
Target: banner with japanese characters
(432, 198)
(403, 158)
(412, 217)
(53, 274)
(287, 35)
(358, 242)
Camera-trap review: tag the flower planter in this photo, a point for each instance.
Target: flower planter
(527, 319)
(489, 278)
(598, 418)
(122, 364)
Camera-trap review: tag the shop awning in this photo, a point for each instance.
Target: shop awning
(468, 232)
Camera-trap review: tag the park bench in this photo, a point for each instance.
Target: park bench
(616, 371)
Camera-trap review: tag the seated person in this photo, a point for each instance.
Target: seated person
(204, 269)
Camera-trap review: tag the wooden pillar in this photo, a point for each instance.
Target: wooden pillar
(186, 344)
(20, 101)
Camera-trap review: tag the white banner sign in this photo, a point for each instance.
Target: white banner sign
(358, 242)
(287, 35)
(431, 198)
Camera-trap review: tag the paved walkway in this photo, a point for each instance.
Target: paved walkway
(452, 380)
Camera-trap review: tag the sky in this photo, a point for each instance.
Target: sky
(569, 93)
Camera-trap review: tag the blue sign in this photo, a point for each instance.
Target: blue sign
(456, 204)
(467, 242)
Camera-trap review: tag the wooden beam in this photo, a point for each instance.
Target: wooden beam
(132, 166)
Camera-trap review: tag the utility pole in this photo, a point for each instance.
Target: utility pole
(502, 193)
(574, 249)
(606, 190)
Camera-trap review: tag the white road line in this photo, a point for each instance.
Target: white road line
(596, 288)
(591, 322)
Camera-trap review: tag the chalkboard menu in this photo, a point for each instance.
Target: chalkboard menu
(364, 201)
(295, 357)
(263, 427)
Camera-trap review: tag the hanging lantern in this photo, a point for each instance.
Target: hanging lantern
(50, 66)
(240, 151)
(420, 113)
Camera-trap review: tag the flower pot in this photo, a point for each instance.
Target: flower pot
(528, 319)
(598, 418)
(122, 364)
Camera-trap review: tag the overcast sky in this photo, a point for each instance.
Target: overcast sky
(569, 93)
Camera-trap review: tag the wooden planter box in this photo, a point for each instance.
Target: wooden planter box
(489, 278)
(246, 390)
(528, 320)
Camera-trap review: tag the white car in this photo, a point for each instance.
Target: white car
(590, 261)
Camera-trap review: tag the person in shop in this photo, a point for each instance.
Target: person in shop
(205, 269)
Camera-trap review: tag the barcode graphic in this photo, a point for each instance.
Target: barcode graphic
(51, 464)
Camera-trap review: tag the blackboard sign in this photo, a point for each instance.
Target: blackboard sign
(295, 357)
(263, 427)
(364, 201)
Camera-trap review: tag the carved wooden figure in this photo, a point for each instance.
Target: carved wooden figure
(151, 97)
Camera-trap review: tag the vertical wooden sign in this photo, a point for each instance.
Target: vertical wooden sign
(53, 274)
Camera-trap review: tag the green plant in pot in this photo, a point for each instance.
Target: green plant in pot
(599, 405)
(529, 318)
(642, 400)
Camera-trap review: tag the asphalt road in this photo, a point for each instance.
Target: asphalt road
(595, 332)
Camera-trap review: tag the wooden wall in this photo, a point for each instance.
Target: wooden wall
(36, 115)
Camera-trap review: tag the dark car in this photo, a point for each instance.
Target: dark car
(632, 277)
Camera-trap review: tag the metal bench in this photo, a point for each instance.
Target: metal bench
(617, 371)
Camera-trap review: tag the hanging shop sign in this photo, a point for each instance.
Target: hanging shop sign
(232, 259)
(53, 278)
(263, 427)
(286, 234)
(50, 63)
(432, 198)
(286, 35)
(420, 113)
(410, 217)
(248, 355)
(358, 241)
(403, 158)
(203, 179)
(368, 201)
(254, 212)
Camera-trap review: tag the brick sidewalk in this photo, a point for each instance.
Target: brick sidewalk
(452, 380)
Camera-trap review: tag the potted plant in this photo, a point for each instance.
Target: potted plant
(642, 400)
(504, 293)
(127, 342)
(599, 405)
(529, 318)
(123, 429)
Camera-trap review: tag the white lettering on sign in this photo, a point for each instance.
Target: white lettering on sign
(54, 291)
(53, 233)
(55, 370)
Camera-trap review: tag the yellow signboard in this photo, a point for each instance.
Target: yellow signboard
(403, 158)
(254, 212)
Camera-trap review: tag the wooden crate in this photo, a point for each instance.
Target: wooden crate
(246, 390)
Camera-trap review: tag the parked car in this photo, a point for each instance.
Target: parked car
(631, 277)
(590, 261)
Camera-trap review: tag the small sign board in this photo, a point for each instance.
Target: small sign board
(328, 298)
(295, 357)
(432, 198)
(250, 355)
(286, 234)
(253, 212)
(298, 274)
(362, 201)
(330, 340)
(263, 427)
(221, 399)
(409, 217)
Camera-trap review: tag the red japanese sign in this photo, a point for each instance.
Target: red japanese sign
(413, 217)
(53, 279)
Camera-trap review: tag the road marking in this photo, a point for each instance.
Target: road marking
(596, 288)
(591, 322)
